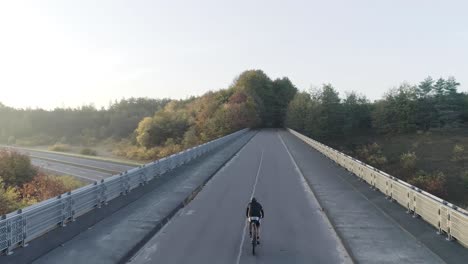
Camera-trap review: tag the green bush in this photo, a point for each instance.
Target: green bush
(69, 182)
(408, 160)
(458, 152)
(88, 152)
(60, 147)
(15, 168)
(435, 183)
(372, 154)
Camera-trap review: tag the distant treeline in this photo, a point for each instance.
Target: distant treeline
(418, 133)
(253, 100)
(408, 122)
(150, 128)
(322, 114)
(83, 125)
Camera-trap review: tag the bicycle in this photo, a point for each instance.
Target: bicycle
(253, 227)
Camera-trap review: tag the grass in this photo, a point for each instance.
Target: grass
(88, 152)
(58, 147)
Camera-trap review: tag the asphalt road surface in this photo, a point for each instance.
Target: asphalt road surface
(105, 165)
(212, 228)
(83, 168)
(64, 169)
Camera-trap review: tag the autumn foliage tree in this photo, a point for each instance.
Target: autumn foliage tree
(43, 187)
(432, 183)
(15, 168)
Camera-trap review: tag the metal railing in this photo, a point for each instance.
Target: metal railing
(447, 218)
(20, 227)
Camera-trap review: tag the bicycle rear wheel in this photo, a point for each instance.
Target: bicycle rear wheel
(254, 237)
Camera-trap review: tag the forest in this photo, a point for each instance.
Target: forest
(418, 133)
(137, 128)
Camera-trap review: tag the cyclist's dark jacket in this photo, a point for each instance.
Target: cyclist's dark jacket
(256, 210)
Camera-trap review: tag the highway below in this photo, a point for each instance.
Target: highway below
(87, 169)
(212, 228)
(82, 173)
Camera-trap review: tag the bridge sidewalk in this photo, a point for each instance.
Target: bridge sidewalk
(373, 229)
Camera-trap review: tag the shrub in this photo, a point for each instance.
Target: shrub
(15, 168)
(372, 154)
(408, 160)
(88, 151)
(458, 152)
(60, 147)
(435, 183)
(8, 198)
(43, 187)
(69, 182)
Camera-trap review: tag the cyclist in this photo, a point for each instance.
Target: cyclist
(254, 213)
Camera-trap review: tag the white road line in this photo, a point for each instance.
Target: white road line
(345, 258)
(245, 225)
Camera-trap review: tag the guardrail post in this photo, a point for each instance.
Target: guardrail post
(391, 199)
(71, 202)
(415, 203)
(449, 225)
(103, 192)
(125, 184)
(63, 211)
(439, 225)
(142, 174)
(24, 230)
(8, 235)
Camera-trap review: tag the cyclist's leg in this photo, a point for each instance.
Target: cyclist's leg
(250, 227)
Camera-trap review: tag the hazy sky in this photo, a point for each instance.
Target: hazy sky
(67, 53)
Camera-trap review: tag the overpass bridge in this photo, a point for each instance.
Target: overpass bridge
(190, 208)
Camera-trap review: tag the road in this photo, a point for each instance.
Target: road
(65, 169)
(104, 165)
(84, 168)
(212, 228)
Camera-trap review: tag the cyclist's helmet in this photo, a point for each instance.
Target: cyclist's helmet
(254, 200)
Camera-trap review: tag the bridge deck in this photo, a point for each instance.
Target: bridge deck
(210, 229)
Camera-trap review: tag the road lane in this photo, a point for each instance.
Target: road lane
(210, 228)
(105, 165)
(79, 172)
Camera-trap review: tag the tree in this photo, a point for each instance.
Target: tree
(283, 93)
(15, 168)
(43, 187)
(357, 115)
(432, 183)
(9, 198)
(296, 112)
(331, 114)
(165, 124)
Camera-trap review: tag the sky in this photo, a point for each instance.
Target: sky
(69, 53)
